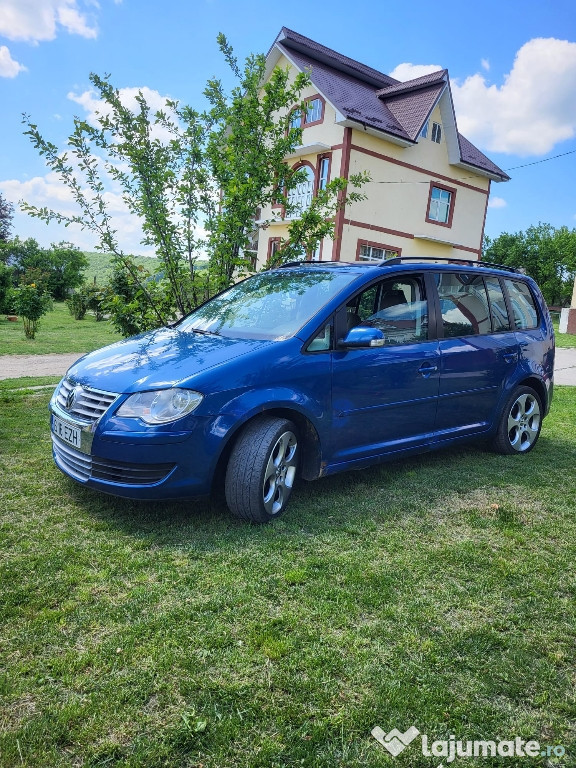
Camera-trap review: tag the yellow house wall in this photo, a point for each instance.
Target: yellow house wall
(397, 196)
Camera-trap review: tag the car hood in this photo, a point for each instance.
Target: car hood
(157, 359)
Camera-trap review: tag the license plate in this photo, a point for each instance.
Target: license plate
(70, 434)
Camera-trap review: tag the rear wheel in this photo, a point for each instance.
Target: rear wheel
(520, 422)
(262, 469)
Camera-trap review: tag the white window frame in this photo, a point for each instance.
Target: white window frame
(374, 253)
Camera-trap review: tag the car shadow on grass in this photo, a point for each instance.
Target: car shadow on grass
(348, 503)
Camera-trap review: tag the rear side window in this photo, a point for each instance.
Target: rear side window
(523, 305)
(498, 311)
(464, 304)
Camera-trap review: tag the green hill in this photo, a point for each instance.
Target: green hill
(100, 266)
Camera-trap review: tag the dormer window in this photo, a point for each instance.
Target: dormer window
(436, 132)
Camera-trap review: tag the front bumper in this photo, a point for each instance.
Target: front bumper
(137, 465)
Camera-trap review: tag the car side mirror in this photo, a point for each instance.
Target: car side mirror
(362, 336)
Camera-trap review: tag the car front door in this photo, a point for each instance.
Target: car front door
(384, 398)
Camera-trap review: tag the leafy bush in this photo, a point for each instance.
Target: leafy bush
(77, 303)
(31, 304)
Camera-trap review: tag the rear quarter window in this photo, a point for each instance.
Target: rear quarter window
(523, 305)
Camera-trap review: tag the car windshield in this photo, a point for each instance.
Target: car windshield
(271, 305)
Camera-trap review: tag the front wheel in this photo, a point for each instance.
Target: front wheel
(520, 422)
(262, 469)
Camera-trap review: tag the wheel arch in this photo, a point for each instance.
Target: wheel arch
(539, 387)
(311, 457)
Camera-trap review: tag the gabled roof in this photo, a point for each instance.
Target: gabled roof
(377, 101)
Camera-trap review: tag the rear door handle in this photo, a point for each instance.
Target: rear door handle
(426, 369)
(510, 357)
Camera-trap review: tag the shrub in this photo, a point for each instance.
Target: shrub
(31, 304)
(77, 303)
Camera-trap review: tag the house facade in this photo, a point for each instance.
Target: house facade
(429, 187)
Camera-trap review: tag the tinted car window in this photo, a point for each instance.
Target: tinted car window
(398, 307)
(464, 304)
(523, 307)
(498, 311)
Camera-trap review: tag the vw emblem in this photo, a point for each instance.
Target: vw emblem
(72, 396)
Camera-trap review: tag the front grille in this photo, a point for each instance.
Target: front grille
(88, 405)
(84, 467)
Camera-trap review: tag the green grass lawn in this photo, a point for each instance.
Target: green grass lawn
(564, 339)
(58, 332)
(436, 592)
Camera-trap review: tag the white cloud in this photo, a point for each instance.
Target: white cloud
(8, 66)
(485, 64)
(407, 71)
(94, 106)
(35, 20)
(497, 202)
(50, 192)
(533, 110)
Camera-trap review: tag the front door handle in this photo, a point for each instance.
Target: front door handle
(427, 369)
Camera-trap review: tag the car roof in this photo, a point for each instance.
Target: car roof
(409, 264)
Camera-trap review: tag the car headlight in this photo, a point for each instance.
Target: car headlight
(162, 406)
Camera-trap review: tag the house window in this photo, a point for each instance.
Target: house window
(323, 172)
(436, 133)
(296, 119)
(375, 252)
(300, 197)
(441, 205)
(424, 131)
(314, 110)
(273, 248)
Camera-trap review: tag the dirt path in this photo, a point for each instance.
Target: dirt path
(15, 366)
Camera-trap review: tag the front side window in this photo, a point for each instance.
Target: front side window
(397, 306)
(441, 205)
(367, 252)
(463, 304)
(523, 306)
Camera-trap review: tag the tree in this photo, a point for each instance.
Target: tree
(57, 269)
(6, 214)
(547, 254)
(178, 169)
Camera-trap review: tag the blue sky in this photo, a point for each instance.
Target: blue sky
(512, 66)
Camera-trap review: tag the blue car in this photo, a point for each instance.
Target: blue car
(306, 370)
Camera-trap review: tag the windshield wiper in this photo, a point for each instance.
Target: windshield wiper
(204, 332)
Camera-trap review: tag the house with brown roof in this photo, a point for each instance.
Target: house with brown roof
(429, 187)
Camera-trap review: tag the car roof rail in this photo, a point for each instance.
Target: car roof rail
(396, 260)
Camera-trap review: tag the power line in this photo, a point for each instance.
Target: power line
(464, 178)
(536, 162)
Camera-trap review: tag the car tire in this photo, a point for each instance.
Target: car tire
(520, 423)
(262, 469)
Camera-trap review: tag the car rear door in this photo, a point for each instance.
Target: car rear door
(478, 352)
